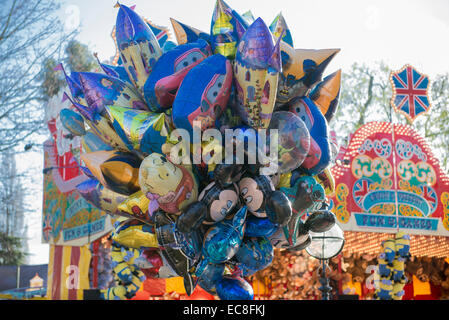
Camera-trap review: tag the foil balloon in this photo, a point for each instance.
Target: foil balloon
(139, 130)
(180, 250)
(319, 156)
(320, 221)
(100, 126)
(326, 179)
(169, 186)
(293, 235)
(74, 85)
(204, 94)
(326, 95)
(91, 143)
(135, 234)
(223, 239)
(256, 71)
(72, 121)
(230, 288)
(214, 204)
(115, 170)
(301, 70)
(249, 17)
(259, 227)
(259, 194)
(227, 27)
(101, 90)
(102, 198)
(169, 71)
(304, 193)
(279, 28)
(255, 254)
(138, 46)
(115, 71)
(136, 206)
(153, 264)
(293, 140)
(169, 45)
(186, 34)
(121, 173)
(211, 275)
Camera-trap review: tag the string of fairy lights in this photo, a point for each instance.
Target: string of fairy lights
(420, 245)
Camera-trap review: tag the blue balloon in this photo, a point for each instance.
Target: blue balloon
(169, 71)
(259, 227)
(203, 94)
(234, 289)
(222, 241)
(94, 143)
(72, 121)
(255, 253)
(211, 274)
(319, 155)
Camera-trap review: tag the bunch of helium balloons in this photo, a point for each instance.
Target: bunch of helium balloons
(210, 222)
(391, 269)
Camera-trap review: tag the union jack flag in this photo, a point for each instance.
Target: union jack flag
(410, 92)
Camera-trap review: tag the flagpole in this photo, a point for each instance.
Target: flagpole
(395, 178)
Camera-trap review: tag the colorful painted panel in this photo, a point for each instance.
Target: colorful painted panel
(389, 178)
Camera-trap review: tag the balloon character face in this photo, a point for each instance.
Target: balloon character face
(257, 67)
(221, 202)
(169, 71)
(301, 70)
(319, 155)
(204, 94)
(138, 46)
(263, 200)
(252, 191)
(169, 186)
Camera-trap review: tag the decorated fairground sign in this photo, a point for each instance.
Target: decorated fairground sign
(388, 180)
(67, 219)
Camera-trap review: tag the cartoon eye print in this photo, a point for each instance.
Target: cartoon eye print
(251, 194)
(223, 205)
(188, 59)
(303, 112)
(214, 90)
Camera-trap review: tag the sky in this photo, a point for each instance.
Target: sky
(398, 32)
